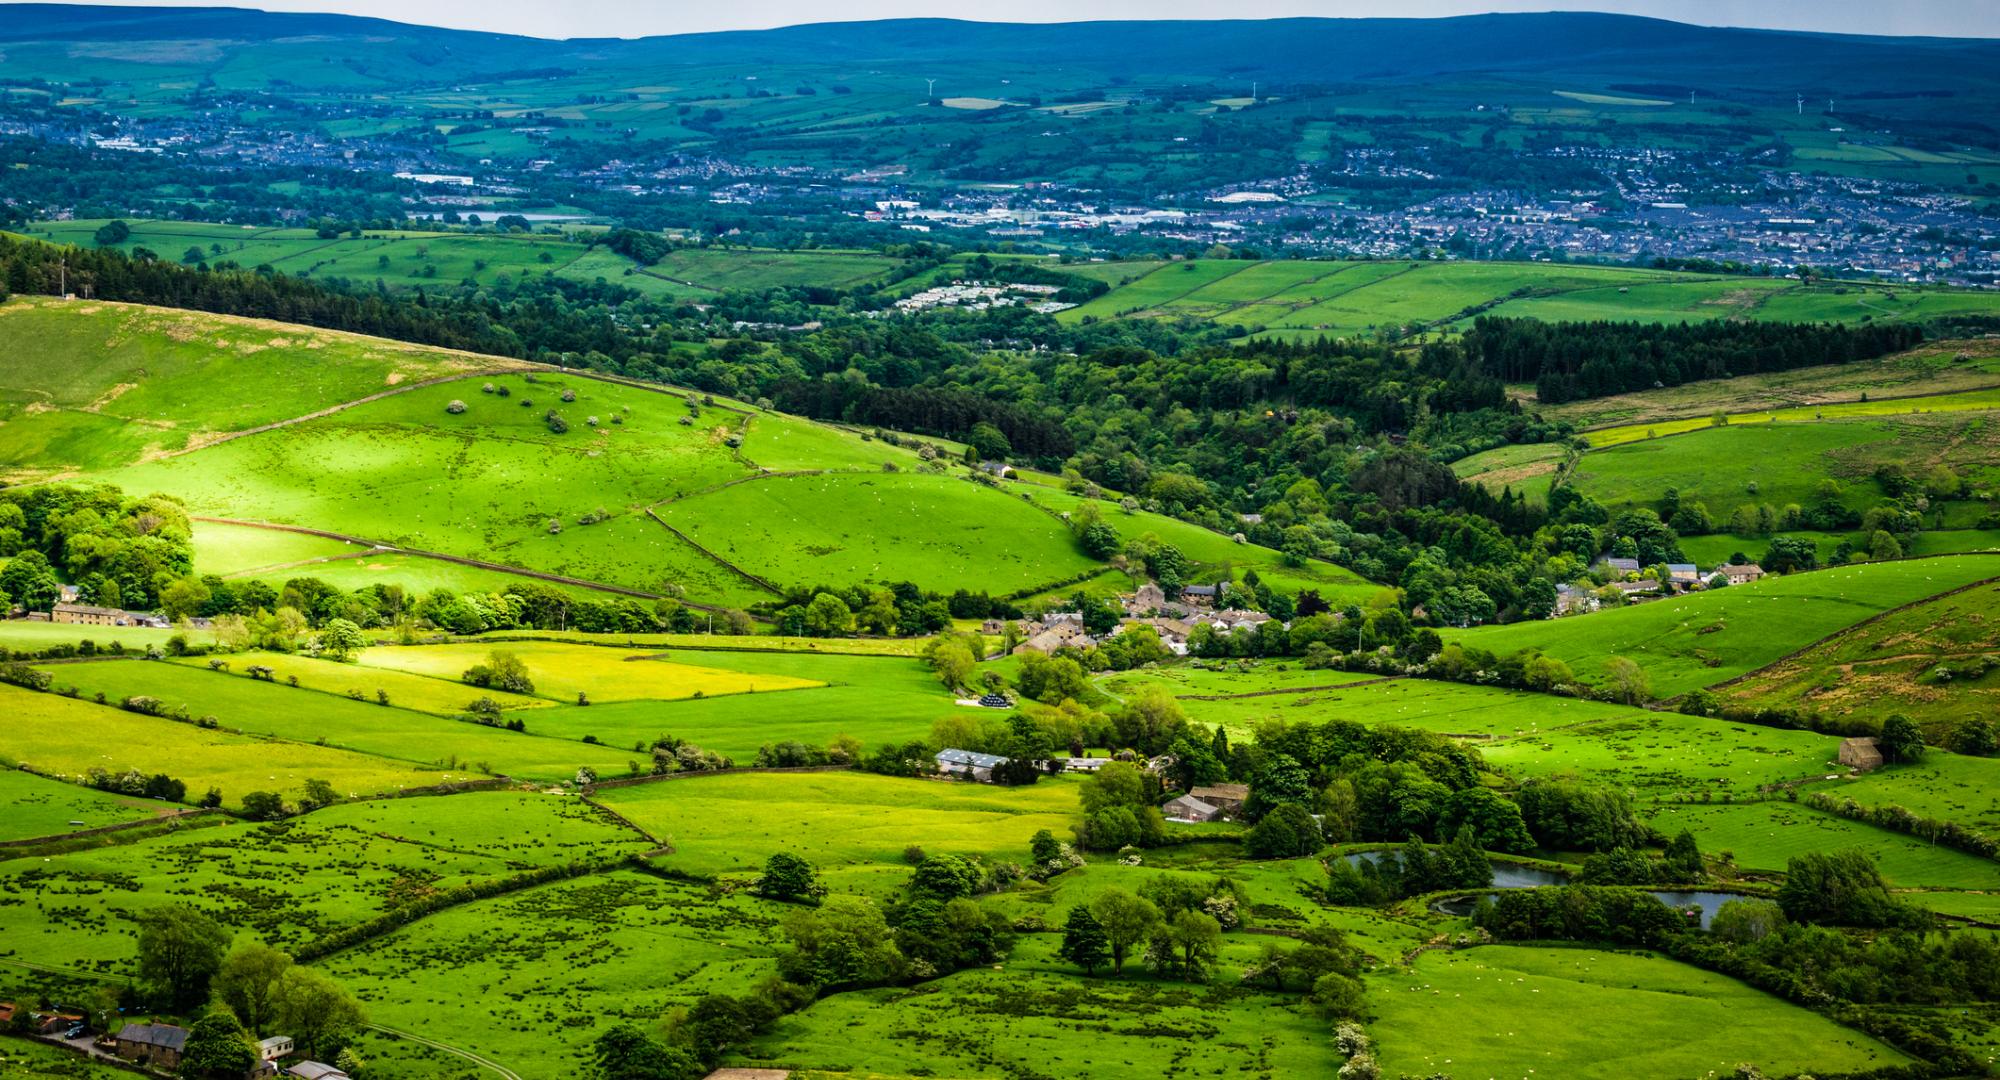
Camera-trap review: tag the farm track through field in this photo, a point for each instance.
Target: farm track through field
(724, 563)
(483, 1062)
(400, 388)
(304, 562)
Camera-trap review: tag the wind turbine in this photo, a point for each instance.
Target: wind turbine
(1802, 104)
(930, 89)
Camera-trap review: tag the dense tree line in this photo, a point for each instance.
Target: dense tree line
(1571, 360)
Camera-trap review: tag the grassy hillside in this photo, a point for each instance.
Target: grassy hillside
(1686, 642)
(112, 383)
(1907, 663)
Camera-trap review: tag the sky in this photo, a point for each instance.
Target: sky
(637, 18)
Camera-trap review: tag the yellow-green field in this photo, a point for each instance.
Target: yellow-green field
(562, 671)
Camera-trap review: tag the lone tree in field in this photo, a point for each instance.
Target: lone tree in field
(180, 950)
(1084, 942)
(1627, 680)
(341, 639)
(1126, 920)
(788, 877)
(1901, 740)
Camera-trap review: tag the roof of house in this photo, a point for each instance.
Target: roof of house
(162, 1035)
(1741, 570)
(967, 757)
(313, 1070)
(1630, 566)
(1237, 792)
(1192, 804)
(1201, 590)
(86, 609)
(1681, 568)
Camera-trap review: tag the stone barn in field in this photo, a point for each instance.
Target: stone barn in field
(1860, 755)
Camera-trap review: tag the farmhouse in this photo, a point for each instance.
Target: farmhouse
(85, 615)
(966, 763)
(1683, 573)
(158, 1045)
(1861, 755)
(1571, 599)
(1056, 636)
(1147, 599)
(1226, 798)
(1187, 808)
(1741, 574)
(997, 470)
(1205, 595)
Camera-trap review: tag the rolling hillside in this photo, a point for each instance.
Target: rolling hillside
(404, 458)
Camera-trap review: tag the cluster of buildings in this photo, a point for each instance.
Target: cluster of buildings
(980, 296)
(1174, 620)
(160, 1047)
(1626, 578)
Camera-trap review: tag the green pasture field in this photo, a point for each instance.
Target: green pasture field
(1764, 836)
(38, 806)
(1035, 1013)
(66, 738)
(420, 574)
(28, 636)
(941, 532)
(1943, 786)
(1505, 1010)
(531, 978)
(1447, 708)
(731, 822)
(561, 671)
(1967, 401)
(291, 882)
(414, 259)
(230, 550)
(716, 270)
(1890, 666)
(114, 383)
(484, 483)
(1700, 639)
(445, 696)
(726, 643)
(23, 1058)
(1666, 302)
(392, 735)
(1199, 679)
(876, 700)
(1717, 548)
(1935, 367)
(1527, 468)
(782, 443)
(1666, 754)
(1788, 462)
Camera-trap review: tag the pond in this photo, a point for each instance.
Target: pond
(1707, 903)
(1505, 875)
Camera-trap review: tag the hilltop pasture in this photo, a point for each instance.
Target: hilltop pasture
(115, 383)
(485, 483)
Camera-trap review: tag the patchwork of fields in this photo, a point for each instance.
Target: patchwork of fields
(1348, 299)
